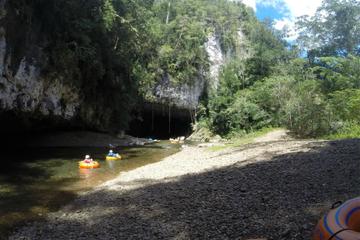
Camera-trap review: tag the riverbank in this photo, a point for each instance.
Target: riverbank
(84, 139)
(274, 188)
(36, 181)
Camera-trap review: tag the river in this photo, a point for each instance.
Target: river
(36, 181)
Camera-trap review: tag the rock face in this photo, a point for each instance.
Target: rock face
(24, 89)
(27, 91)
(28, 86)
(216, 59)
(187, 96)
(184, 96)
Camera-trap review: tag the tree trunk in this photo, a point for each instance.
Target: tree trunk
(168, 13)
(169, 119)
(152, 117)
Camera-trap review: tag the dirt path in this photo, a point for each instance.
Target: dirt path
(273, 136)
(274, 188)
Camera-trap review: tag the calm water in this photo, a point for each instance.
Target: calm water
(36, 181)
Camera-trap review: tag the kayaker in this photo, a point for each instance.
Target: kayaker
(88, 159)
(112, 154)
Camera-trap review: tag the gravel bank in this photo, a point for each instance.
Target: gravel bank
(275, 188)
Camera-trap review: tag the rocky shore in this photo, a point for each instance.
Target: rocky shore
(274, 188)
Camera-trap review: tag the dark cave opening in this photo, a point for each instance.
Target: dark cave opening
(19, 129)
(161, 122)
(152, 121)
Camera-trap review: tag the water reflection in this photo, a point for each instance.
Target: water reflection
(35, 179)
(110, 164)
(85, 173)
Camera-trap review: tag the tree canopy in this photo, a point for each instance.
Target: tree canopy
(333, 30)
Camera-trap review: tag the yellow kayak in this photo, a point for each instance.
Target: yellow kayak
(118, 157)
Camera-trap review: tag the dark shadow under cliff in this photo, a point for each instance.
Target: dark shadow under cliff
(161, 122)
(18, 129)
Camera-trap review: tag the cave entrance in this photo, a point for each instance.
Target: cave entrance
(162, 122)
(19, 129)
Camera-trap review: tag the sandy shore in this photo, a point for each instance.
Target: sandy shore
(274, 188)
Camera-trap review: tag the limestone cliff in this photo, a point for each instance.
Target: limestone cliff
(186, 96)
(216, 59)
(23, 86)
(97, 91)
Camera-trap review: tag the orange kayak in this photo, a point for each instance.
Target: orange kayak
(93, 164)
(342, 222)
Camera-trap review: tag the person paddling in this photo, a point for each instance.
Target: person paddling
(112, 154)
(88, 159)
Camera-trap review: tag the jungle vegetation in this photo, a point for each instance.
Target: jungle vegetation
(124, 47)
(311, 87)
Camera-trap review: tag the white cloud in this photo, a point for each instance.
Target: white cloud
(304, 7)
(290, 27)
(290, 9)
(294, 9)
(250, 3)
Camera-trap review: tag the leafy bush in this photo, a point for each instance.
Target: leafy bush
(238, 113)
(349, 129)
(345, 105)
(246, 115)
(305, 111)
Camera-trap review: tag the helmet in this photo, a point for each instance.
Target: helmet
(111, 151)
(87, 156)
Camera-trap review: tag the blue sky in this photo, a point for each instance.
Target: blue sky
(271, 12)
(283, 12)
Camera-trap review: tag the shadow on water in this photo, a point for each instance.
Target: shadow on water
(282, 198)
(27, 189)
(35, 181)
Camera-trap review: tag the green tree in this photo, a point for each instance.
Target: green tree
(345, 105)
(337, 73)
(269, 50)
(306, 112)
(333, 30)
